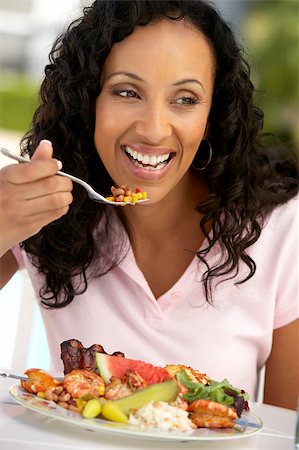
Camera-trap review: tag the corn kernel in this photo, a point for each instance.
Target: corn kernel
(101, 390)
(41, 394)
(134, 197)
(111, 199)
(80, 403)
(144, 195)
(139, 195)
(127, 199)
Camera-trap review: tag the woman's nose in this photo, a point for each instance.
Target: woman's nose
(154, 124)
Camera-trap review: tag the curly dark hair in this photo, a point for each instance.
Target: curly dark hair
(245, 178)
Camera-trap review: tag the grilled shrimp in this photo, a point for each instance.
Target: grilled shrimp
(127, 385)
(209, 414)
(134, 381)
(38, 381)
(80, 381)
(116, 389)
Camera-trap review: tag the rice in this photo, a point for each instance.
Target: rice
(161, 416)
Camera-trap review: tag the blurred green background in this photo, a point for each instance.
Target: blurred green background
(18, 100)
(269, 31)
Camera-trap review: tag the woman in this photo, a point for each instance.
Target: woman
(157, 95)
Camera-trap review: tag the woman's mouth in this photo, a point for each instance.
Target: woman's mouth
(145, 161)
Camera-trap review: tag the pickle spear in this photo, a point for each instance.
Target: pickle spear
(118, 410)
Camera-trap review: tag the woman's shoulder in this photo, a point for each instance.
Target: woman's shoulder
(279, 229)
(284, 217)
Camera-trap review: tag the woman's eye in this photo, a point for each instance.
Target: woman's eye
(187, 100)
(126, 93)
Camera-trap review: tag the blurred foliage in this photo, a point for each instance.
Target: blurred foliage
(18, 101)
(271, 30)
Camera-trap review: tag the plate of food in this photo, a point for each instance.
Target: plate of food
(114, 394)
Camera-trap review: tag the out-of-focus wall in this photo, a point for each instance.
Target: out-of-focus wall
(28, 29)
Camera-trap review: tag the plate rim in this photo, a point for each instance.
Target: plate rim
(117, 429)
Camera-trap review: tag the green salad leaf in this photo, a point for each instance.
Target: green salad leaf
(222, 392)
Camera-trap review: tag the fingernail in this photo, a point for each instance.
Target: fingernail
(59, 164)
(45, 141)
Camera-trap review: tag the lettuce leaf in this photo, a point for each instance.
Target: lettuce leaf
(222, 392)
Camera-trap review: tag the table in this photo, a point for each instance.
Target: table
(22, 429)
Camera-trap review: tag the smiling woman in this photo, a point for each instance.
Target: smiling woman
(149, 122)
(135, 92)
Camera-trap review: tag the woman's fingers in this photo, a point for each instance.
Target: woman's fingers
(31, 171)
(22, 219)
(39, 188)
(29, 226)
(41, 165)
(32, 196)
(47, 203)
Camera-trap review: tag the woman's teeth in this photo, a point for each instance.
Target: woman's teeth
(148, 162)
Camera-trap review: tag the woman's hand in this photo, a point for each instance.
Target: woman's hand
(31, 196)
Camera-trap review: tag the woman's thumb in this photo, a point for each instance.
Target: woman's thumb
(44, 150)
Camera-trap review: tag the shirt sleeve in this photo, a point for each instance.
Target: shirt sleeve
(18, 254)
(287, 302)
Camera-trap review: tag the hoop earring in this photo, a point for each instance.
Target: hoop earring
(195, 167)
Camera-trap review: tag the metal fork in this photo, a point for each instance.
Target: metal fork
(90, 191)
(19, 377)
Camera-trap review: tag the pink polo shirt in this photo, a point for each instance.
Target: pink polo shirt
(232, 339)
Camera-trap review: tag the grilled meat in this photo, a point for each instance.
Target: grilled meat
(75, 356)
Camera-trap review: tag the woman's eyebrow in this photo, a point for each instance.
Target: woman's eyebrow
(136, 77)
(189, 80)
(127, 74)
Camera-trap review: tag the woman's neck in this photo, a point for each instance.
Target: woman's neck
(165, 236)
(172, 217)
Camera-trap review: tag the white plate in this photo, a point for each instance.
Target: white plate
(248, 424)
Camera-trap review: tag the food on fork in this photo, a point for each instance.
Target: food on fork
(115, 388)
(125, 194)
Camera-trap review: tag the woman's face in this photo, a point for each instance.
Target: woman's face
(152, 112)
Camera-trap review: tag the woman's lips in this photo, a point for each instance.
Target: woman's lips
(147, 164)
